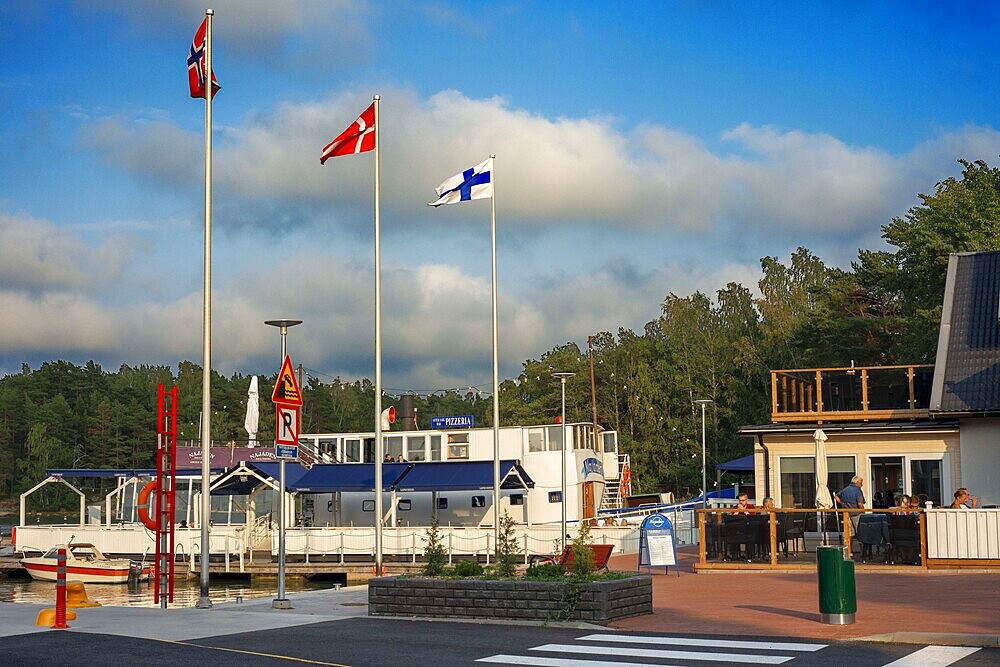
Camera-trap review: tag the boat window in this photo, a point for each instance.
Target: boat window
(517, 499)
(479, 501)
(394, 446)
(367, 505)
(352, 450)
(415, 448)
(458, 451)
(442, 503)
(610, 442)
(555, 438)
(555, 496)
(404, 505)
(457, 437)
(536, 440)
(435, 448)
(327, 447)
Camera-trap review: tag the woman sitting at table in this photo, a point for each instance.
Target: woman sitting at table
(903, 506)
(767, 506)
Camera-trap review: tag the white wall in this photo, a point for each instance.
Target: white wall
(981, 459)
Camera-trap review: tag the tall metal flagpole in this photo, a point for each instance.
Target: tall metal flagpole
(378, 360)
(496, 372)
(206, 367)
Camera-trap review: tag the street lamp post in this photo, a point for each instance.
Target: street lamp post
(704, 464)
(562, 497)
(281, 602)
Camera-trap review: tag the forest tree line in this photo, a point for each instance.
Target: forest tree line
(885, 309)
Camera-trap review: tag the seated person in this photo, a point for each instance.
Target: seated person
(743, 505)
(768, 505)
(915, 504)
(963, 500)
(903, 505)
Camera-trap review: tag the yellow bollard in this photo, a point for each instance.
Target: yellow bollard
(76, 596)
(47, 617)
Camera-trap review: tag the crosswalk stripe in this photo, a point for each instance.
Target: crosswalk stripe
(746, 658)
(934, 656)
(714, 643)
(539, 661)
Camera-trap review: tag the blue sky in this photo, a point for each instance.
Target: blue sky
(642, 149)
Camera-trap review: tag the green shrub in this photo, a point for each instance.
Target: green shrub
(583, 556)
(468, 568)
(545, 572)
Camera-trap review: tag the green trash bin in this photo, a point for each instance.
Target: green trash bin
(838, 600)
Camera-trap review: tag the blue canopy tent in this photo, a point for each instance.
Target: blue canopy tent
(740, 467)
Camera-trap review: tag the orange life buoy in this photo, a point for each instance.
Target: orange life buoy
(143, 505)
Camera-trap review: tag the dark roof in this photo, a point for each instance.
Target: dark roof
(119, 472)
(742, 464)
(848, 427)
(967, 371)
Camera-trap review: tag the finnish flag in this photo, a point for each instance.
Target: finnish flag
(474, 183)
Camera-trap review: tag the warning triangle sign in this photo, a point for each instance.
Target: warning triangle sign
(286, 389)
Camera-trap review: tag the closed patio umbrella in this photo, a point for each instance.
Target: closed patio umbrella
(253, 412)
(824, 500)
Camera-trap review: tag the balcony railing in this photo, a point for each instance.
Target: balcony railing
(851, 393)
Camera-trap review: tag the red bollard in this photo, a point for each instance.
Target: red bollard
(61, 591)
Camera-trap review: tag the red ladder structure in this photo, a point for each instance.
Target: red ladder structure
(166, 494)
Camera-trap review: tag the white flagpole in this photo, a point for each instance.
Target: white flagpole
(378, 360)
(204, 602)
(496, 372)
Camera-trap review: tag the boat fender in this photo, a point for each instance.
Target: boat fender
(143, 504)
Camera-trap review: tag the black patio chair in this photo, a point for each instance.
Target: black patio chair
(904, 536)
(873, 534)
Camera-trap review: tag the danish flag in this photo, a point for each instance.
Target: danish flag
(358, 138)
(196, 64)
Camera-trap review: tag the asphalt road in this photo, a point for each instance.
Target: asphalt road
(361, 642)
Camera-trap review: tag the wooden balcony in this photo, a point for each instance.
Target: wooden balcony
(851, 393)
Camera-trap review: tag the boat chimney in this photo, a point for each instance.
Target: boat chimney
(407, 413)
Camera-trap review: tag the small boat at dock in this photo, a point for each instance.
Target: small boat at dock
(85, 563)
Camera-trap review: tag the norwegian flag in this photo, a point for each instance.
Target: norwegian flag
(358, 138)
(196, 64)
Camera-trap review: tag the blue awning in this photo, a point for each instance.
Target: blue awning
(742, 464)
(462, 476)
(332, 477)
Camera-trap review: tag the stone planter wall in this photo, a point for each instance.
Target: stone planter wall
(600, 601)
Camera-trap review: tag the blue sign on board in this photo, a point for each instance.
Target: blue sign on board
(286, 452)
(460, 421)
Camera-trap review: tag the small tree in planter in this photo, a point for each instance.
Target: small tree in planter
(434, 555)
(506, 552)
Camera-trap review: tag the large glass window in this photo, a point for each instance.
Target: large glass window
(352, 450)
(798, 478)
(925, 478)
(415, 448)
(555, 438)
(435, 448)
(536, 440)
(394, 446)
(610, 442)
(798, 482)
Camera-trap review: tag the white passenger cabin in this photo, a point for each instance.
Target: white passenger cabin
(537, 448)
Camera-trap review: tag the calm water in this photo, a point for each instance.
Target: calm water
(186, 590)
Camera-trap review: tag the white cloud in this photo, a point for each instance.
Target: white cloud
(557, 171)
(35, 255)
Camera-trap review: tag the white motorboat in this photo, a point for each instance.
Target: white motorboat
(85, 563)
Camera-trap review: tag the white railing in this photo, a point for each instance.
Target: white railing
(963, 534)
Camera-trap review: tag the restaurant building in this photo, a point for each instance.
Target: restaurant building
(908, 429)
